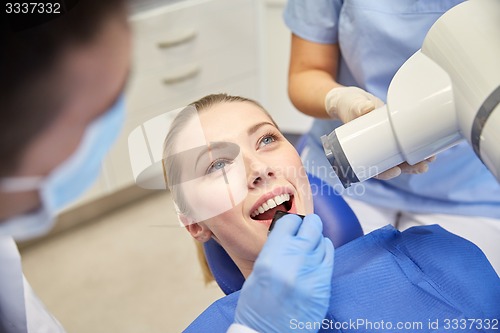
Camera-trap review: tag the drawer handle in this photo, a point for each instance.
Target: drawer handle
(183, 76)
(178, 40)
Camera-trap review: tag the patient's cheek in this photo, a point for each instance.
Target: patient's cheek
(296, 172)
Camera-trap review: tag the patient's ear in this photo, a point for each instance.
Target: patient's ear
(199, 231)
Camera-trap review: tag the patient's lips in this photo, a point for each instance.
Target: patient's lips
(265, 208)
(269, 205)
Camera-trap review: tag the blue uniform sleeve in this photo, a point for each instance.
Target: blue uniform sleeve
(316, 21)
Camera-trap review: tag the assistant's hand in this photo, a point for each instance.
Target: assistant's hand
(291, 279)
(404, 167)
(348, 103)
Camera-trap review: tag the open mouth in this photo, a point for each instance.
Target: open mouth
(266, 211)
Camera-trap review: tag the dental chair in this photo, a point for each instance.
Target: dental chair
(146, 149)
(413, 276)
(339, 224)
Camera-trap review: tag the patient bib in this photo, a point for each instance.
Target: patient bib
(424, 279)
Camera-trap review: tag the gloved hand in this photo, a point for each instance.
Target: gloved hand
(348, 103)
(291, 279)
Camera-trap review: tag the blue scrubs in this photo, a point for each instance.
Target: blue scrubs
(375, 39)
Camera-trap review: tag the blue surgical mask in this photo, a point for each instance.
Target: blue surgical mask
(68, 181)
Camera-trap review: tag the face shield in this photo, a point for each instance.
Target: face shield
(206, 178)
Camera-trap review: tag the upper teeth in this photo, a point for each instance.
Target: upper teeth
(271, 203)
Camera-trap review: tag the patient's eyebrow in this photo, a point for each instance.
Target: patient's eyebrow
(255, 127)
(212, 146)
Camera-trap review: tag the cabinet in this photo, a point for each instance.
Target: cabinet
(182, 52)
(189, 48)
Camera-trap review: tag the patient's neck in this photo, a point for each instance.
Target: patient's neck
(245, 268)
(244, 265)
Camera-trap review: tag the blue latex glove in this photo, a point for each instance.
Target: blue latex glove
(291, 279)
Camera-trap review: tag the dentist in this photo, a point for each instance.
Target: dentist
(61, 105)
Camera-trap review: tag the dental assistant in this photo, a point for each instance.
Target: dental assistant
(343, 57)
(61, 109)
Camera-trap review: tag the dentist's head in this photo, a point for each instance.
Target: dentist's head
(61, 108)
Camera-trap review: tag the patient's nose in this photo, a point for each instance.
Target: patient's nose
(259, 173)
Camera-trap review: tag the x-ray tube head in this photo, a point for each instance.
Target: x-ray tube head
(449, 90)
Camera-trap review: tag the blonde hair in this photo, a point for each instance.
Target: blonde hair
(208, 277)
(178, 124)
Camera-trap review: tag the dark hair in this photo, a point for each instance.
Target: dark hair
(30, 92)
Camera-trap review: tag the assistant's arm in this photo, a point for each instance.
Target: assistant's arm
(311, 75)
(312, 84)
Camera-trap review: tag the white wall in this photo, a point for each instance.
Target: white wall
(274, 60)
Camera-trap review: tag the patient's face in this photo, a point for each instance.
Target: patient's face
(247, 173)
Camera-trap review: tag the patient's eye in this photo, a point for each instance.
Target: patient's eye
(267, 139)
(217, 165)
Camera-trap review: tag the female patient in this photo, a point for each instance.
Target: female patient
(229, 169)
